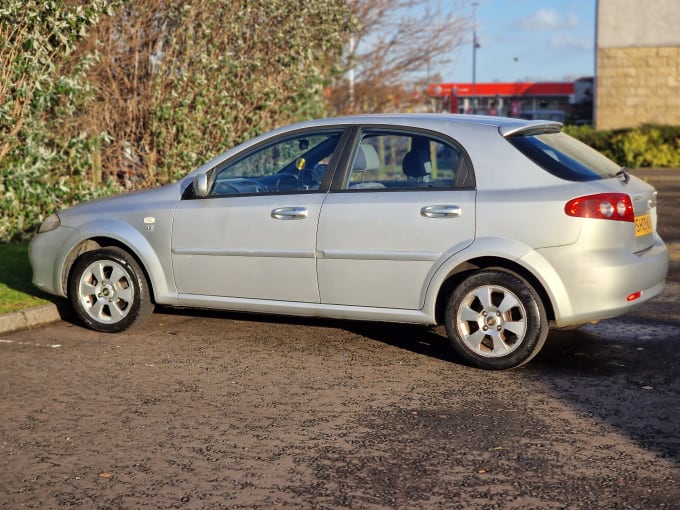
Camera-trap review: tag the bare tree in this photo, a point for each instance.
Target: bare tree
(180, 81)
(396, 39)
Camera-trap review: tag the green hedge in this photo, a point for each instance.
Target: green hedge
(646, 146)
(92, 88)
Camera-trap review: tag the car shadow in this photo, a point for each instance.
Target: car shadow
(422, 340)
(621, 373)
(426, 341)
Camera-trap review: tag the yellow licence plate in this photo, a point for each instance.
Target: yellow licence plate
(643, 225)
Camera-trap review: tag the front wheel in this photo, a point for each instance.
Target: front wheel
(495, 320)
(109, 291)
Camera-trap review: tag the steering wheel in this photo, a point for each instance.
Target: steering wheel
(286, 181)
(309, 179)
(224, 188)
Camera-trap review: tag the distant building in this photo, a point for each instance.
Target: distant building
(638, 63)
(570, 102)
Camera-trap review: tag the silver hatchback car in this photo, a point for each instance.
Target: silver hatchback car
(497, 228)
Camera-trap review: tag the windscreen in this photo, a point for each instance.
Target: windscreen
(565, 156)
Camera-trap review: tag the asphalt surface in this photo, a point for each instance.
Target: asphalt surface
(217, 410)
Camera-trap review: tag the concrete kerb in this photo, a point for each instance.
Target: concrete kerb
(33, 317)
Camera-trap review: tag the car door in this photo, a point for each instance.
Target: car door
(405, 204)
(254, 235)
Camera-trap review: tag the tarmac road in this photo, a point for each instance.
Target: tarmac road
(208, 410)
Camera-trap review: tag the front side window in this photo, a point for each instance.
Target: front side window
(407, 161)
(295, 164)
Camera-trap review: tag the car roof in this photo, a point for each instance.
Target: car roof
(507, 126)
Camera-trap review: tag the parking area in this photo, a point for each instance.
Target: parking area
(217, 410)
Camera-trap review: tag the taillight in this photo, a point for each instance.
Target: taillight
(603, 206)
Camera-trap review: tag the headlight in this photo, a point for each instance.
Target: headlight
(51, 223)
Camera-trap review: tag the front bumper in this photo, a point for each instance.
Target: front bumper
(47, 253)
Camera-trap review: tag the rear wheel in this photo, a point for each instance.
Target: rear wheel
(108, 290)
(495, 320)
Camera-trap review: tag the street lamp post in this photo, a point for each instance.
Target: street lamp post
(475, 45)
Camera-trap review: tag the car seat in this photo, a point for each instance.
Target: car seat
(365, 160)
(416, 163)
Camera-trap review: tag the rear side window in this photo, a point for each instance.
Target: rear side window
(565, 157)
(402, 160)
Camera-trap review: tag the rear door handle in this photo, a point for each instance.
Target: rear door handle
(289, 213)
(441, 211)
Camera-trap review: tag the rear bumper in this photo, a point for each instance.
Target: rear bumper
(596, 284)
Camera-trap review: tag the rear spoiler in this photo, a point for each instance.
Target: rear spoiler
(533, 127)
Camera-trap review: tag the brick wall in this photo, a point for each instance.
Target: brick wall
(638, 63)
(637, 86)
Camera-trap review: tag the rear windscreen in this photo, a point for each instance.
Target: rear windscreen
(565, 157)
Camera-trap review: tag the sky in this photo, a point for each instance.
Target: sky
(527, 40)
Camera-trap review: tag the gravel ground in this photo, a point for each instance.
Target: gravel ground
(214, 410)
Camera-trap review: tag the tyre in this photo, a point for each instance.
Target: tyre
(109, 291)
(495, 320)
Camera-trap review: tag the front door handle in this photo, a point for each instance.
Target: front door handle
(441, 211)
(289, 213)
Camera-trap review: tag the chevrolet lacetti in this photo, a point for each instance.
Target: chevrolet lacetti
(497, 228)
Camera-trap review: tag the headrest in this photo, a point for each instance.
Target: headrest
(366, 159)
(416, 163)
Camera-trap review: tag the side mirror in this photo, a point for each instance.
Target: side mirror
(201, 185)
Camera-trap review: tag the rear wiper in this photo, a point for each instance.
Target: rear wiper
(623, 173)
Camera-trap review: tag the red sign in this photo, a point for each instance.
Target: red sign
(502, 89)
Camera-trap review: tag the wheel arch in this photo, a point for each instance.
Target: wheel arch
(95, 243)
(461, 271)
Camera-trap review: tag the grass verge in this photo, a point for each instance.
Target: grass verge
(16, 289)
